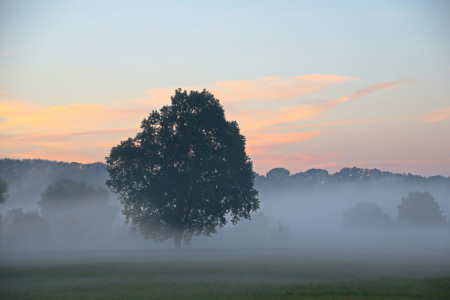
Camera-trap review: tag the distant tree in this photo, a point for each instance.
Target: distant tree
(66, 193)
(351, 174)
(3, 191)
(24, 227)
(317, 176)
(420, 208)
(366, 215)
(278, 174)
(77, 204)
(185, 172)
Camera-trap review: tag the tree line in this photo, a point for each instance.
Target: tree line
(14, 170)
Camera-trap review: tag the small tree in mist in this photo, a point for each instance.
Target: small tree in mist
(26, 226)
(185, 172)
(76, 207)
(420, 208)
(366, 215)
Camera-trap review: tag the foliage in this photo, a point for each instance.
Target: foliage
(419, 208)
(366, 215)
(185, 172)
(278, 174)
(277, 180)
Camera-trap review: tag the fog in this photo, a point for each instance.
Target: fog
(293, 214)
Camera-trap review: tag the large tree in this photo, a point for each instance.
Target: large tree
(185, 173)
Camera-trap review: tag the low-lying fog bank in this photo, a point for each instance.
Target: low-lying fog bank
(260, 232)
(353, 208)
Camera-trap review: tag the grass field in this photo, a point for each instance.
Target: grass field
(226, 274)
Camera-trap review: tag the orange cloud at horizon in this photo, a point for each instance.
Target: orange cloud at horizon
(23, 118)
(85, 132)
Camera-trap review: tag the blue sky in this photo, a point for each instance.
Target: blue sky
(123, 58)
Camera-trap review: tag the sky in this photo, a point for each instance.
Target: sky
(312, 84)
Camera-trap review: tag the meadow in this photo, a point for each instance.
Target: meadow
(227, 274)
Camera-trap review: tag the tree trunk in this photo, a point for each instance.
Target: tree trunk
(177, 241)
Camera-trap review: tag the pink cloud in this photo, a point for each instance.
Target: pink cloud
(318, 125)
(263, 119)
(319, 78)
(371, 89)
(269, 88)
(262, 142)
(434, 116)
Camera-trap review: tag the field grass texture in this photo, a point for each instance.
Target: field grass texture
(227, 274)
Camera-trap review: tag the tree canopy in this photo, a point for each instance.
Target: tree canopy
(278, 174)
(185, 173)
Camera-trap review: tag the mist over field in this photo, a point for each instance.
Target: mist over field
(61, 206)
(224, 150)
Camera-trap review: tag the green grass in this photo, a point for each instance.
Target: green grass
(230, 278)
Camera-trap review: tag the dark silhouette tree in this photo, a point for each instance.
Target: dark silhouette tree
(366, 215)
(317, 176)
(185, 173)
(420, 208)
